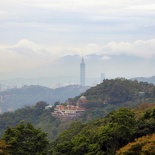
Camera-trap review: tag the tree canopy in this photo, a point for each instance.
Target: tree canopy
(106, 135)
(142, 146)
(4, 148)
(26, 140)
(119, 90)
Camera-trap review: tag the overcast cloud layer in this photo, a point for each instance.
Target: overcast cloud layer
(35, 33)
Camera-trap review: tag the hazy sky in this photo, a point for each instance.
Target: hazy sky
(34, 33)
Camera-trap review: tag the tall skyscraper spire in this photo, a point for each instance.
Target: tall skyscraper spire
(82, 72)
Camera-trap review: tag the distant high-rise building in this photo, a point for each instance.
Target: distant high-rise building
(82, 72)
(102, 77)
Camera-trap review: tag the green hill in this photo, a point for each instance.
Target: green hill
(102, 99)
(36, 115)
(118, 91)
(107, 135)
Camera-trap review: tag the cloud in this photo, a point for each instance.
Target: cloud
(3, 15)
(73, 21)
(139, 48)
(23, 55)
(54, 28)
(145, 7)
(88, 9)
(26, 55)
(105, 57)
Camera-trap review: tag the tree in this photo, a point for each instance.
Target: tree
(3, 148)
(142, 146)
(41, 105)
(25, 139)
(118, 132)
(146, 123)
(63, 144)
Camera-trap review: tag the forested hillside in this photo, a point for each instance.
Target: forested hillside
(117, 112)
(118, 91)
(107, 135)
(36, 115)
(102, 99)
(123, 131)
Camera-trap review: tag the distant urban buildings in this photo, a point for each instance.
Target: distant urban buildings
(102, 77)
(82, 72)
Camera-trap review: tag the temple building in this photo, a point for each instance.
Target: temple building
(70, 111)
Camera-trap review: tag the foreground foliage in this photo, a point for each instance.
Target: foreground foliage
(26, 140)
(36, 115)
(107, 135)
(4, 148)
(142, 146)
(100, 137)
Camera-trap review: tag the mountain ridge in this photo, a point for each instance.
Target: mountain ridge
(28, 95)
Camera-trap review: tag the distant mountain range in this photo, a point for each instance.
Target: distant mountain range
(146, 79)
(12, 99)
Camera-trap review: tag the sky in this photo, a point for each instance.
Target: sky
(35, 34)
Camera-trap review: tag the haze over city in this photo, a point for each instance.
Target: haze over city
(46, 38)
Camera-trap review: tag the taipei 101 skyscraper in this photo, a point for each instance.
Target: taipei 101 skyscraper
(82, 72)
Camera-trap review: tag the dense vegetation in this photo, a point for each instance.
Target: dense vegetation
(26, 140)
(39, 117)
(117, 91)
(144, 145)
(107, 135)
(102, 99)
(103, 129)
(36, 115)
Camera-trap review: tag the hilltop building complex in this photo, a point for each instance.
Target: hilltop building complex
(70, 110)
